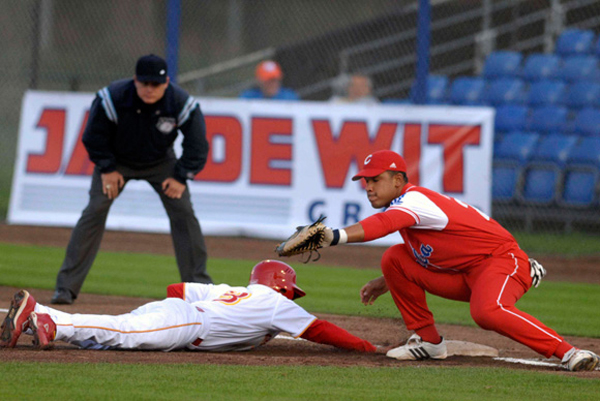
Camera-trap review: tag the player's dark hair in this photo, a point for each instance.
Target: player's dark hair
(393, 173)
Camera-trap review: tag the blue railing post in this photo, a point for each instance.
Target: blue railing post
(172, 51)
(423, 35)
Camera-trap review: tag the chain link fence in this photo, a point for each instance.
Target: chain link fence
(82, 45)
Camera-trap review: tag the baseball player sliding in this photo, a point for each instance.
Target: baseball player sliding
(449, 249)
(200, 317)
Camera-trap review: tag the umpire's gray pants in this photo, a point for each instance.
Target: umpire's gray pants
(188, 241)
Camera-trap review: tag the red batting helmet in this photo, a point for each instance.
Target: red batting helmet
(277, 275)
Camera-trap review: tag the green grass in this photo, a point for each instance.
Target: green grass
(569, 308)
(216, 382)
(572, 244)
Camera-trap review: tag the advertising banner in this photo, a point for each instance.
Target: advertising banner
(272, 165)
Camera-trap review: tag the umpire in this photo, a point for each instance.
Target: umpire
(129, 135)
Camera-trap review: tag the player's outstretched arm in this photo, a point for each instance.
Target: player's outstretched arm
(372, 290)
(353, 233)
(324, 332)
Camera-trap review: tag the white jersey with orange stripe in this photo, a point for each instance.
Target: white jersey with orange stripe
(243, 318)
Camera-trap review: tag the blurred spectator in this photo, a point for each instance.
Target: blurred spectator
(356, 88)
(268, 78)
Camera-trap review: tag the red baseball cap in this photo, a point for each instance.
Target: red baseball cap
(268, 70)
(380, 161)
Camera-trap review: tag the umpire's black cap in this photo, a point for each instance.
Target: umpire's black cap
(151, 68)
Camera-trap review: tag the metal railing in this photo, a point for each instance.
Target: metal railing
(480, 42)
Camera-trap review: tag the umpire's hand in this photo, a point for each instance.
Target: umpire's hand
(173, 188)
(112, 184)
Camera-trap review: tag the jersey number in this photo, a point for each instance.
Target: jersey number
(232, 297)
(466, 206)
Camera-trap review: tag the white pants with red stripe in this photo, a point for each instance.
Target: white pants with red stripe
(163, 325)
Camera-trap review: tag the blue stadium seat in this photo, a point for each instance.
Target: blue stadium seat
(467, 91)
(554, 148)
(510, 156)
(580, 188)
(582, 174)
(597, 48)
(547, 119)
(504, 91)
(575, 41)
(516, 147)
(540, 66)
(510, 118)
(582, 94)
(502, 64)
(543, 174)
(545, 93)
(541, 183)
(437, 86)
(505, 182)
(579, 68)
(587, 122)
(586, 152)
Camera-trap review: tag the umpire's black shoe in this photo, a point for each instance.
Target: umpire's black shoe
(62, 297)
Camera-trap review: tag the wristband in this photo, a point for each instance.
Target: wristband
(339, 237)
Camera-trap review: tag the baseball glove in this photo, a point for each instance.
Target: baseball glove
(306, 239)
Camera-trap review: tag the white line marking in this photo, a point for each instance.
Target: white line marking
(535, 362)
(282, 337)
(3, 310)
(532, 362)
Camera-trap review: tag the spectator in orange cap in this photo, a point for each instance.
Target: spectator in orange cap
(268, 78)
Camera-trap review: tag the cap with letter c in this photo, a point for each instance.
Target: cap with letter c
(380, 161)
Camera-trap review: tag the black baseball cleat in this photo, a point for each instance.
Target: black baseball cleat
(62, 297)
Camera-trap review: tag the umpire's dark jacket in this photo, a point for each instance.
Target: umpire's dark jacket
(122, 129)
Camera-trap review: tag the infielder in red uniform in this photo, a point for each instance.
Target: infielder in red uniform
(452, 250)
(199, 317)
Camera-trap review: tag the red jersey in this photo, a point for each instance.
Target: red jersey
(441, 232)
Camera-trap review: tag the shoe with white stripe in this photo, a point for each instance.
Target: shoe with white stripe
(416, 349)
(16, 321)
(577, 360)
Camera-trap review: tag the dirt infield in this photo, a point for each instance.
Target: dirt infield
(278, 351)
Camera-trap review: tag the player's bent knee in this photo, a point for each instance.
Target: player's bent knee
(486, 316)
